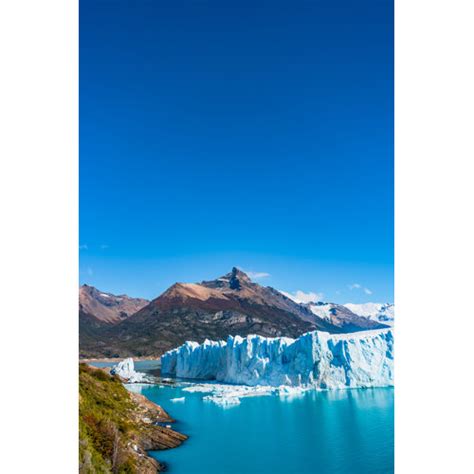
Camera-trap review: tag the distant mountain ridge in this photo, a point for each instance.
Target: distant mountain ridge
(106, 307)
(381, 312)
(345, 315)
(229, 305)
(341, 317)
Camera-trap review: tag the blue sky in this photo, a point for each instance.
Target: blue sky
(252, 134)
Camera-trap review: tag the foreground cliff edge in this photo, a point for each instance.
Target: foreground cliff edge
(117, 428)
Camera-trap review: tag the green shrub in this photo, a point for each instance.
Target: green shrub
(104, 420)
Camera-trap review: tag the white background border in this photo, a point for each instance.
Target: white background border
(39, 235)
(434, 235)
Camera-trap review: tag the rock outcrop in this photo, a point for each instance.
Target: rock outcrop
(117, 428)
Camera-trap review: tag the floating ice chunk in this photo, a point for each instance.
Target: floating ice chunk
(126, 370)
(223, 401)
(291, 392)
(205, 388)
(177, 400)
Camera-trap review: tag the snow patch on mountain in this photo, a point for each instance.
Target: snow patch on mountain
(301, 297)
(323, 310)
(316, 359)
(383, 313)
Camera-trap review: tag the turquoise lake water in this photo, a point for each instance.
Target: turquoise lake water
(333, 432)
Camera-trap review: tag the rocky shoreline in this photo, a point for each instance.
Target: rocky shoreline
(114, 359)
(118, 428)
(155, 437)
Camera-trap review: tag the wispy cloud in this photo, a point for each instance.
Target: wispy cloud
(302, 297)
(256, 275)
(90, 272)
(86, 247)
(358, 286)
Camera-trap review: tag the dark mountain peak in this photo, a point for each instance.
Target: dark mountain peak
(239, 273)
(237, 279)
(221, 288)
(236, 273)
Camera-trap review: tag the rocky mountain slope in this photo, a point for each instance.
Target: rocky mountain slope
(116, 427)
(229, 305)
(106, 307)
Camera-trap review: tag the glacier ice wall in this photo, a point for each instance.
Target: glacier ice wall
(126, 370)
(319, 359)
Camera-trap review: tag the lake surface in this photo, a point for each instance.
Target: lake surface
(333, 432)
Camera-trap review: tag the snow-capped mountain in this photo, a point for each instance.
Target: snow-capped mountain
(381, 312)
(315, 359)
(339, 315)
(323, 310)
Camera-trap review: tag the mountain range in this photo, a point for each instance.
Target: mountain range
(383, 313)
(232, 304)
(106, 307)
(351, 314)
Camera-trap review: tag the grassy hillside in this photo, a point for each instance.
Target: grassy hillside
(116, 427)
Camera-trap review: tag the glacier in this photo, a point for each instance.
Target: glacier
(314, 360)
(126, 370)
